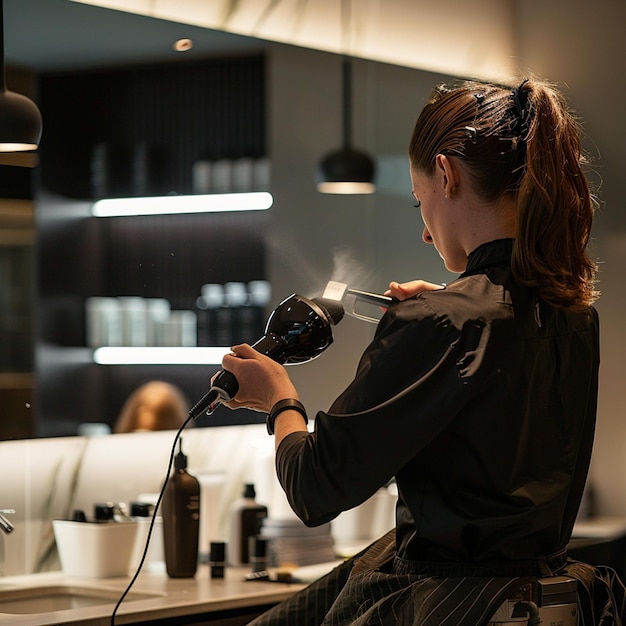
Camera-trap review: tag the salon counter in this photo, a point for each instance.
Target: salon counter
(153, 597)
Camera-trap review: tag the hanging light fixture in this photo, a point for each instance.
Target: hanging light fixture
(347, 170)
(20, 119)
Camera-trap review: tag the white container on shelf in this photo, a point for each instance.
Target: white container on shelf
(222, 176)
(104, 321)
(157, 312)
(201, 177)
(235, 294)
(243, 175)
(213, 295)
(133, 314)
(261, 174)
(259, 292)
(179, 330)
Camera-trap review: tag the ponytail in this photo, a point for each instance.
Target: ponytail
(554, 205)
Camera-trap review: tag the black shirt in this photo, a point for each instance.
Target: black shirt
(480, 399)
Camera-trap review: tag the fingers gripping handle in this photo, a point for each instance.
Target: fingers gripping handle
(223, 389)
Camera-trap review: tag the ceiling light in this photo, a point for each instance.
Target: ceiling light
(162, 205)
(182, 45)
(20, 119)
(346, 171)
(122, 355)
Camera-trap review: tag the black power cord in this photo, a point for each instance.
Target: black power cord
(154, 512)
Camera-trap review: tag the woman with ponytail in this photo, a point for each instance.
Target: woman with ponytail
(520, 148)
(478, 397)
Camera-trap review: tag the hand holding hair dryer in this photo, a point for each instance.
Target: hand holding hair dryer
(297, 331)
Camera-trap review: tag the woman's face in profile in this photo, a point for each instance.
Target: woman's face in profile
(440, 219)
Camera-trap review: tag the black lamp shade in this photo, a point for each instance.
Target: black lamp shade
(346, 171)
(20, 122)
(20, 119)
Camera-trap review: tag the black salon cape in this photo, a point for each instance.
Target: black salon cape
(480, 400)
(365, 591)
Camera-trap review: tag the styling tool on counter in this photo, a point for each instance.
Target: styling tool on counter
(298, 330)
(307, 574)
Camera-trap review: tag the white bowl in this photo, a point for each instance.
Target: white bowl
(95, 550)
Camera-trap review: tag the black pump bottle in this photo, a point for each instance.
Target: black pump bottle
(181, 520)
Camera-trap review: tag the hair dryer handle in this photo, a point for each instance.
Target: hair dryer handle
(226, 386)
(223, 389)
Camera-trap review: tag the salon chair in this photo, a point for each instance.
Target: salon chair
(552, 600)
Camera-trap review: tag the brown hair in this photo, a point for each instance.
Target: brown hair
(522, 141)
(156, 405)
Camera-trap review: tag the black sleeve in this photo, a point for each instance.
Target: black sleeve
(406, 390)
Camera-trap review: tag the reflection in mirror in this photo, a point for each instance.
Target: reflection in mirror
(116, 128)
(106, 109)
(155, 405)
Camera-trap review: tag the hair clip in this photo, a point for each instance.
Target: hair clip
(470, 133)
(519, 99)
(522, 112)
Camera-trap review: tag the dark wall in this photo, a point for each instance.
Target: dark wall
(163, 117)
(176, 114)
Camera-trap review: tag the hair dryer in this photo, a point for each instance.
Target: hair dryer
(297, 331)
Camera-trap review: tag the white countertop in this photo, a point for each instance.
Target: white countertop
(600, 528)
(168, 597)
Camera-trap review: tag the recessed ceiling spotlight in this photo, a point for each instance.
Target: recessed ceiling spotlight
(182, 45)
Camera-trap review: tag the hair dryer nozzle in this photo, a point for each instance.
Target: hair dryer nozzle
(299, 329)
(333, 309)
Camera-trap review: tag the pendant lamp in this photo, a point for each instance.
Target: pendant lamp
(20, 119)
(347, 170)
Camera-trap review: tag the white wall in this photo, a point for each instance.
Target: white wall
(413, 33)
(581, 46)
(365, 241)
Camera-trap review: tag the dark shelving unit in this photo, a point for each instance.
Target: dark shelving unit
(172, 115)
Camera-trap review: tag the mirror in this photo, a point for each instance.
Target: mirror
(57, 37)
(308, 239)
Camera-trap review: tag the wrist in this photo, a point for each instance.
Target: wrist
(286, 404)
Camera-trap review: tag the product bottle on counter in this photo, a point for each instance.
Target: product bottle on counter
(246, 519)
(141, 512)
(181, 520)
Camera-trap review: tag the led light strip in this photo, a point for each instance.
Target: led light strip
(163, 205)
(113, 355)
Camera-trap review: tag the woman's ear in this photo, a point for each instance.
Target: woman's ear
(447, 171)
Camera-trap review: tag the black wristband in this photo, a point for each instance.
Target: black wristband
(285, 405)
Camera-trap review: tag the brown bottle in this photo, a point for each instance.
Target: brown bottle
(181, 520)
(247, 517)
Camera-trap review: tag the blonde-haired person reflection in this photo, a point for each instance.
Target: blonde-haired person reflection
(155, 405)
